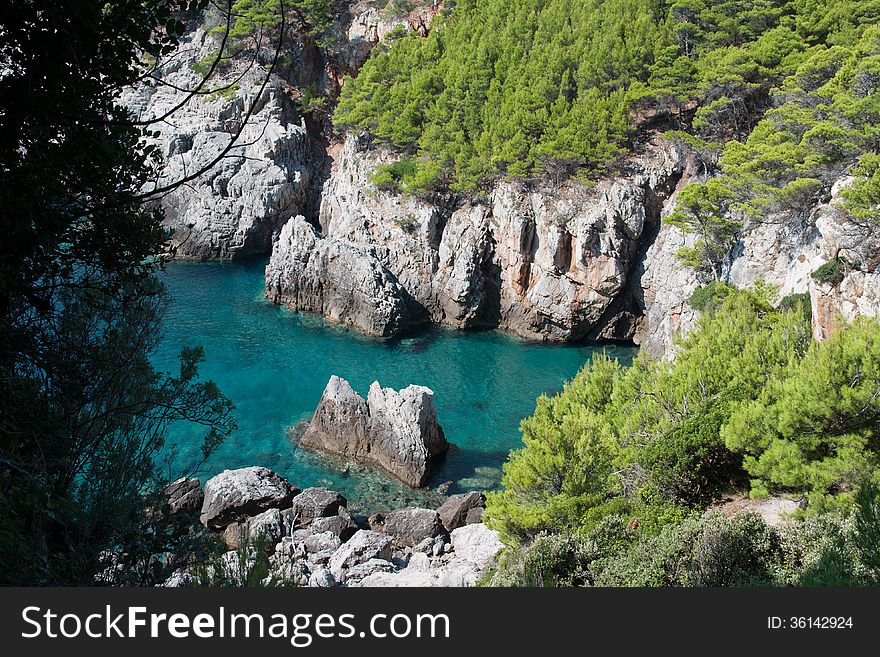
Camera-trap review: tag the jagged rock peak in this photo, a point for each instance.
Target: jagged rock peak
(397, 431)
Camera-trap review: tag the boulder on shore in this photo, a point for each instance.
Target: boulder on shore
(397, 431)
(237, 494)
(184, 495)
(456, 510)
(360, 548)
(315, 503)
(412, 526)
(341, 524)
(476, 543)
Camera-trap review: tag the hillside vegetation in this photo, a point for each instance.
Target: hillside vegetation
(750, 402)
(524, 87)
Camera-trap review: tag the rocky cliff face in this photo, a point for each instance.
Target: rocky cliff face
(568, 263)
(346, 284)
(783, 251)
(276, 169)
(358, 29)
(268, 176)
(857, 245)
(543, 264)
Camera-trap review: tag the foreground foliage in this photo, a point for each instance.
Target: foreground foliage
(750, 401)
(83, 414)
(713, 550)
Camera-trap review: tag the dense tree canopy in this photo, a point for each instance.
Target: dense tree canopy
(506, 87)
(821, 124)
(748, 398)
(556, 86)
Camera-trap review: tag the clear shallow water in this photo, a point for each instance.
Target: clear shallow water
(274, 365)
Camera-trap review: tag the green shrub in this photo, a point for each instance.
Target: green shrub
(815, 428)
(407, 223)
(565, 466)
(709, 297)
(558, 560)
(799, 304)
(553, 560)
(690, 463)
(867, 527)
(711, 551)
(831, 273)
(394, 176)
(618, 438)
(739, 551)
(818, 552)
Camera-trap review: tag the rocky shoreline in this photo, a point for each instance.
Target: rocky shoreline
(311, 539)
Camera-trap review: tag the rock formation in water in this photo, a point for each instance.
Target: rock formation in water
(564, 264)
(339, 281)
(397, 431)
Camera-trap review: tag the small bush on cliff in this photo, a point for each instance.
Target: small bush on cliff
(708, 297)
(831, 273)
(799, 303)
(704, 211)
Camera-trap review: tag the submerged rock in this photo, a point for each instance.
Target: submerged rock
(398, 431)
(237, 494)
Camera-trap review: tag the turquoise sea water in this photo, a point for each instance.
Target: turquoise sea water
(274, 365)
